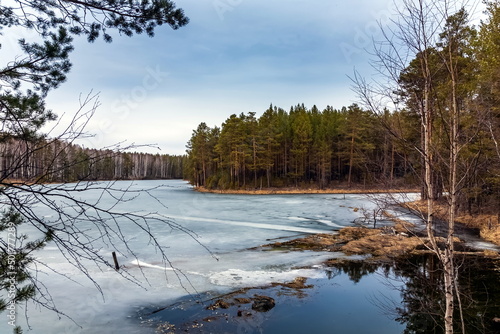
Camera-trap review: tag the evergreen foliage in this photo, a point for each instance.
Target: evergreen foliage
(300, 148)
(29, 158)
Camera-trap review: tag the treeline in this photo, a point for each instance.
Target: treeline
(435, 125)
(343, 147)
(59, 161)
(301, 148)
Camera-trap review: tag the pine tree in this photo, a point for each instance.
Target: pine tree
(25, 82)
(486, 194)
(270, 136)
(301, 130)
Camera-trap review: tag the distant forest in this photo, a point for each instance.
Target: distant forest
(59, 161)
(303, 148)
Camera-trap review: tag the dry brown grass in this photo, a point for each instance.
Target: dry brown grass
(378, 243)
(16, 182)
(382, 243)
(488, 225)
(285, 191)
(355, 233)
(316, 242)
(297, 283)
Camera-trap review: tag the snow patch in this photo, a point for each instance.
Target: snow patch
(238, 277)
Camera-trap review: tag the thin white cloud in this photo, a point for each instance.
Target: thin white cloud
(234, 56)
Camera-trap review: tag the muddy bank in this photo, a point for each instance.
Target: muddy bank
(487, 226)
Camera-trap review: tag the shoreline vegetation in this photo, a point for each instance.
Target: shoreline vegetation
(378, 244)
(486, 225)
(303, 191)
(397, 241)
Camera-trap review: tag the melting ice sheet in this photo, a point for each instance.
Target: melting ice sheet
(228, 225)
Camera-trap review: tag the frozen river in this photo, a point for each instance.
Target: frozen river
(227, 225)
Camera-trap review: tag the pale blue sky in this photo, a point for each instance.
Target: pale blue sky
(234, 56)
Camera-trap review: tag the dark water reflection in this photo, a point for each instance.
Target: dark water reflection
(357, 297)
(421, 306)
(422, 296)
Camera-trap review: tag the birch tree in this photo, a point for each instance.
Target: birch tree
(423, 67)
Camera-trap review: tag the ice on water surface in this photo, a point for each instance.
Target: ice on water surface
(228, 225)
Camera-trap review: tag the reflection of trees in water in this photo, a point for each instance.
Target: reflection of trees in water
(422, 305)
(355, 270)
(423, 302)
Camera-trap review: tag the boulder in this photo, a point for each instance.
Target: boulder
(262, 303)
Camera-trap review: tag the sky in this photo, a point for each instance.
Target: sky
(235, 56)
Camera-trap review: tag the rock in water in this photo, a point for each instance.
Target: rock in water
(219, 304)
(262, 303)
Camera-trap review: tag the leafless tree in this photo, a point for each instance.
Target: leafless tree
(416, 41)
(78, 227)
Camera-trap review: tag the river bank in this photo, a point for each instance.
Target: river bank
(304, 191)
(487, 226)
